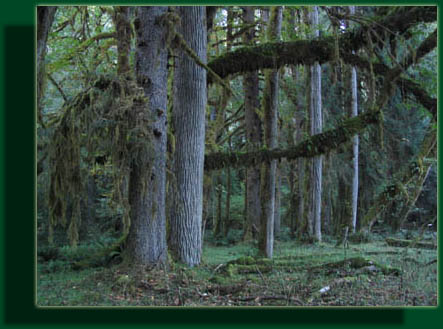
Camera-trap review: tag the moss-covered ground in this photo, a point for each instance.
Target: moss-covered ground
(363, 274)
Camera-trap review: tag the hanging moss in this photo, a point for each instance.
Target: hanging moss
(111, 117)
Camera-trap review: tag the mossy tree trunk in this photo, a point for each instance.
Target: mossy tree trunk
(146, 241)
(45, 18)
(253, 134)
(270, 109)
(189, 122)
(219, 198)
(124, 36)
(227, 219)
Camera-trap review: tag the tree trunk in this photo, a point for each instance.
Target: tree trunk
(270, 109)
(253, 134)
(45, 18)
(355, 143)
(189, 122)
(218, 214)
(227, 219)
(316, 128)
(277, 217)
(124, 35)
(146, 241)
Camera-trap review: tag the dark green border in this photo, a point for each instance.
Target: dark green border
(17, 166)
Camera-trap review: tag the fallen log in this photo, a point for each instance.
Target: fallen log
(410, 243)
(356, 263)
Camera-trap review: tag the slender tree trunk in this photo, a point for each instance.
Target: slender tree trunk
(277, 217)
(316, 128)
(146, 242)
(189, 122)
(270, 109)
(227, 219)
(355, 144)
(218, 216)
(253, 134)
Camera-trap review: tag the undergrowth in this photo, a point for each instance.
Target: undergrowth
(363, 274)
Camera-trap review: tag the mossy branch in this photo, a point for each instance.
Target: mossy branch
(315, 145)
(306, 52)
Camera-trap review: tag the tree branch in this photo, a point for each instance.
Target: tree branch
(315, 145)
(306, 52)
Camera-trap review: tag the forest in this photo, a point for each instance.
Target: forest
(236, 156)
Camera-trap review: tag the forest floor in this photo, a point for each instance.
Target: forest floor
(323, 274)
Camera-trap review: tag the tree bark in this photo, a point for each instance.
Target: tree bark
(277, 214)
(45, 18)
(253, 133)
(355, 143)
(316, 128)
(146, 241)
(270, 109)
(189, 122)
(124, 35)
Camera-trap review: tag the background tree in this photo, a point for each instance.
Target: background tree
(270, 110)
(316, 128)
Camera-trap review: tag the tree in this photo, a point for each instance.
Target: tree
(316, 128)
(270, 109)
(189, 123)
(253, 133)
(146, 241)
(355, 143)
(45, 18)
(155, 27)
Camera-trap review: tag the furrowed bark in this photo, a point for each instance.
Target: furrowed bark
(146, 241)
(189, 124)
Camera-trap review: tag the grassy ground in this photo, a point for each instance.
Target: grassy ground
(364, 274)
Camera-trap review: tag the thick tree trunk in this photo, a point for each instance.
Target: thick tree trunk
(189, 122)
(270, 109)
(253, 134)
(316, 128)
(146, 241)
(45, 18)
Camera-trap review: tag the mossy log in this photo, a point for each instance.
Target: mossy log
(315, 145)
(410, 243)
(356, 263)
